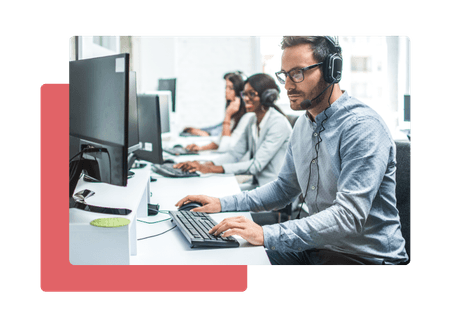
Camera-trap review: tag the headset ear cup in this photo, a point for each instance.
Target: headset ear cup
(332, 69)
(269, 96)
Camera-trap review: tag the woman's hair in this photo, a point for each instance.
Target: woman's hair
(262, 82)
(236, 78)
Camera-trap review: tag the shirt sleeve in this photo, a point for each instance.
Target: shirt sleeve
(273, 141)
(364, 150)
(224, 144)
(236, 154)
(228, 142)
(275, 194)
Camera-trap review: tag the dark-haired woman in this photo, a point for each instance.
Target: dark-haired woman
(235, 119)
(266, 136)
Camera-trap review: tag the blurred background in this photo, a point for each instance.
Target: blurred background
(376, 70)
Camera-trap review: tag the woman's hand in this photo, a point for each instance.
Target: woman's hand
(198, 132)
(192, 167)
(233, 107)
(207, 167)
(193, 147)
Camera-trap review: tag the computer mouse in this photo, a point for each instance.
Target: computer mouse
(189, 206)
(178, 146)
(168, 161)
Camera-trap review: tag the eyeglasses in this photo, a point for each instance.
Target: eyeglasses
(297, 75)
(250, 95)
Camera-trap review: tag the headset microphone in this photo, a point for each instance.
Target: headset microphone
(306, 104)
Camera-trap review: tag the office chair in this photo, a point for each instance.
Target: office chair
(281, 215)
(272, 217)
(403, 190)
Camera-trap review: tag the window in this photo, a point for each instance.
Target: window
(360, 64)
(375, 70)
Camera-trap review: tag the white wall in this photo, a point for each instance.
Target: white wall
(199, 64)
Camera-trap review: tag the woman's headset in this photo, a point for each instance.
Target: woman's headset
(269, 96)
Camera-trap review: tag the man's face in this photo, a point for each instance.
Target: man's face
(301, 56)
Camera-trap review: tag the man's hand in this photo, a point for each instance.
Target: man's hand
(210, 204)
(241, 226)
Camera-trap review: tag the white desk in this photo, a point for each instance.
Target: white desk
(172, 248)
(90, 245)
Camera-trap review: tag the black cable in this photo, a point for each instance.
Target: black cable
(139, 239)
(153, 222)
(320, 139)
(78, 164)
(109, 157)
(316, 159)
(76, 155)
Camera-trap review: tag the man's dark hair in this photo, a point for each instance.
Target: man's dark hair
(320, 46)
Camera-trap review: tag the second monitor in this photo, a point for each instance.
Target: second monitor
(165, 109)
(149, 128)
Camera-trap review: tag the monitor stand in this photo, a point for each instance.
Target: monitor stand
(78, 200)
(138, 164)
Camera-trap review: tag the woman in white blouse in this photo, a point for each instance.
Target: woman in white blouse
(266, 136)
(235, 120)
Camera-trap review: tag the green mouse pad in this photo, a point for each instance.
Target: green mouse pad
(110, 222)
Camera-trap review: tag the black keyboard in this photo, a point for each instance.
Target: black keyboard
(169, 171)
(195, 227)
(177, 151)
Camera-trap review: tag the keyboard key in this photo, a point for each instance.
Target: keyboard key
(198, 225)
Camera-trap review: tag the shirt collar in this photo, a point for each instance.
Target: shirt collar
(264, 120)
(330, 110)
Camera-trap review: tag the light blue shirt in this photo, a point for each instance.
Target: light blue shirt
(350, 189)
(266, 153)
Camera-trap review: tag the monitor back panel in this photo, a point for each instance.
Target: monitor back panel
(149, 129)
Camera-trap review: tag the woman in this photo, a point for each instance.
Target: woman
(235, 117)
(266, 136)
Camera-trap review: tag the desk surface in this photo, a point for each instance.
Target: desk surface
(172, 248)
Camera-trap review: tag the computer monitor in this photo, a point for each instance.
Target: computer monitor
(99, 115)
(133, 126)
(169, 85)
(149, 129)
(407, 108)
(165, 108)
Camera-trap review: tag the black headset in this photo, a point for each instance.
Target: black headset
(332, 66)
(269, 96)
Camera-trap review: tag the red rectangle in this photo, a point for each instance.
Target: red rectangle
(57, 274)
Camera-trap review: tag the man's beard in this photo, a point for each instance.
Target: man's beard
(317, 90)
(322, 85)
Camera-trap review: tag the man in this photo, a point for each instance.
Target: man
(340, 156)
